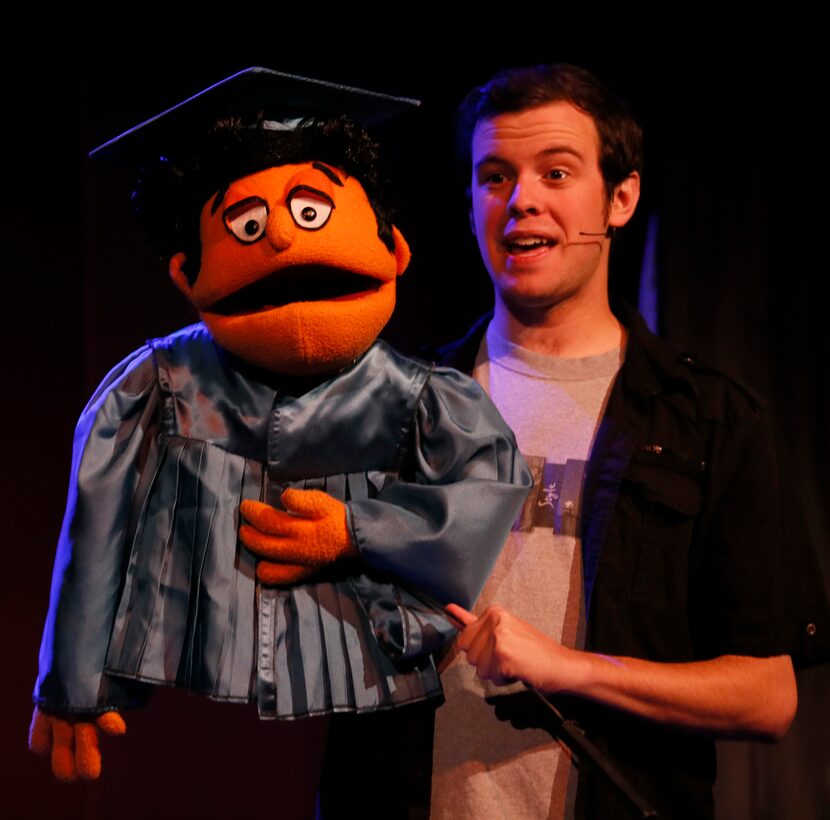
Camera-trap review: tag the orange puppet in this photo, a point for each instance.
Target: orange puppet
(264, 506)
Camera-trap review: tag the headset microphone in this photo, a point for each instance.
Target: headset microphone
(608, 233)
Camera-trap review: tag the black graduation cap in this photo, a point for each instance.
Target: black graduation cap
(283, 98)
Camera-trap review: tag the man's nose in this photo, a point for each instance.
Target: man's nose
(280, 229)
(524, 198)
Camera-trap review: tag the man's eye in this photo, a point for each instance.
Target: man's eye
(310, 209)
(495, 178)
(247, 219)
(557, 174)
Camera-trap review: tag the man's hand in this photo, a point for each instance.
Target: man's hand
(504, 648)
(311, 533)
(72, 742)
(732, 696)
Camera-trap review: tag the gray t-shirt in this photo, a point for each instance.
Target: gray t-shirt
(484, 767)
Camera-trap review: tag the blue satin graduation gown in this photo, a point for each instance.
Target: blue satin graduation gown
(151, 585)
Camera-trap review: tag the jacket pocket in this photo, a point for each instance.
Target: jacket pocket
(668, 488)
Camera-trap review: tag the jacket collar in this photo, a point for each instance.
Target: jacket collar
(652, 366)
(461, 354)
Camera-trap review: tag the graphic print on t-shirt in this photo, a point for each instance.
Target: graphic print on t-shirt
(554, 501)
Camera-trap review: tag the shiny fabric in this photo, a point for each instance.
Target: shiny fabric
(151, 586)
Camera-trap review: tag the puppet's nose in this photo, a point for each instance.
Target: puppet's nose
(281, 229)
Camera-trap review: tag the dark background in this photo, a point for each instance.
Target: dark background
(735, 174)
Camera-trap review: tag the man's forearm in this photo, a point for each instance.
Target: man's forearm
(730, 696)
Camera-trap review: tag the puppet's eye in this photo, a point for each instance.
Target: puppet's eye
(246, 220)
(310, 209)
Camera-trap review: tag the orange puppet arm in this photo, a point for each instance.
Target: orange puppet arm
(310, 533)
(72, 742)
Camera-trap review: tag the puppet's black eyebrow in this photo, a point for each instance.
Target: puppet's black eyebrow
(324, 169)
(328, 172)
(220, 196)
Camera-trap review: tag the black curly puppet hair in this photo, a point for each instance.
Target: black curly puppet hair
(171, 191)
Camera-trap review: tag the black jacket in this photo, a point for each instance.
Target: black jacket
(692, 548)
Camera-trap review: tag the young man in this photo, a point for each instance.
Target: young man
(649, 576)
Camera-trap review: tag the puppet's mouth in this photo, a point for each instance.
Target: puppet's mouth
(296, 284)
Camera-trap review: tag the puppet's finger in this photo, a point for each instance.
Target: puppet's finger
(111, 723)
(40, 733)
(322, 532)
(278, 547)
(258, 542)
(281, 574)
(312, 503)
(87, 753)
(263, 516)
(63, 752)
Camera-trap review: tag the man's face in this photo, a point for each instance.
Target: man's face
(537, 190)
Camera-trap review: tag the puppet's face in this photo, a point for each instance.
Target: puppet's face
(293, 277)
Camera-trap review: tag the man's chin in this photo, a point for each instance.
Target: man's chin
(525, 294)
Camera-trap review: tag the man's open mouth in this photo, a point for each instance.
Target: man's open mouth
(526, 244)
(297, 284)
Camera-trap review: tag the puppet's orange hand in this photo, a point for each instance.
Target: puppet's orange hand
(72, 742)
(282, 575)
(310, 533)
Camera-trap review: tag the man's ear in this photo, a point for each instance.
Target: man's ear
(178, 275)
(624, 202)
(472, 220)
(402, 253)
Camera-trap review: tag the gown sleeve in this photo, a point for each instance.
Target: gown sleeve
(441, 531)
(111, 446)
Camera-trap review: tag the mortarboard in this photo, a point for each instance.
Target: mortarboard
(283, 97)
